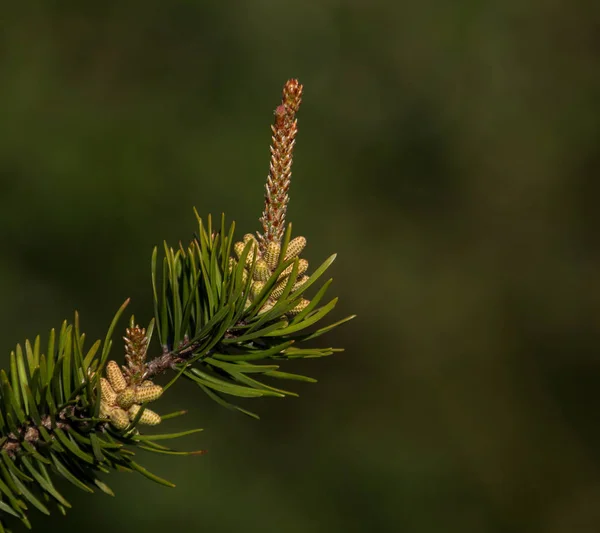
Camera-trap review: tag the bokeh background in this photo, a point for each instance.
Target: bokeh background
(448, 151)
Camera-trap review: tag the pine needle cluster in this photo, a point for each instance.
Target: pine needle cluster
(226, 314)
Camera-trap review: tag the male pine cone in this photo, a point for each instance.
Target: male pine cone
(265, 266)
(121, 402)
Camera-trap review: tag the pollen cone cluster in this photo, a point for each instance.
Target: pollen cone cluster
(123, 390)
(265, 266)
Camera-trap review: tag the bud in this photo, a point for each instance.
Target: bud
(292, 95)
(136, 344)
(126, 398)
(272, 254)
(295, 246)
(148, 393)
(150, 418)
(284, 130)
(115, 376)
(249, 237)
(261, 270)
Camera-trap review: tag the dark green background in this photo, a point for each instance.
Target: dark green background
(448, 151)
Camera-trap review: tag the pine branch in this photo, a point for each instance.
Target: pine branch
(224, 312)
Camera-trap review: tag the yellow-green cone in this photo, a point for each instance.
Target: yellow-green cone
(302, 268)
(109, 396)
(268, 306)
(250, 256)
(150, 418)
(119, 418)
(299, 283)
(299, 308)
(115, 376)
(295, 247)
(238, 248)
(148, 393)
(255, 289)
(278, 290)
(126, 398)
(271, 254)
(261, 270)
(280, 287)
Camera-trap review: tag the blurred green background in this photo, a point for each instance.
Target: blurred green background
(448, 151)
